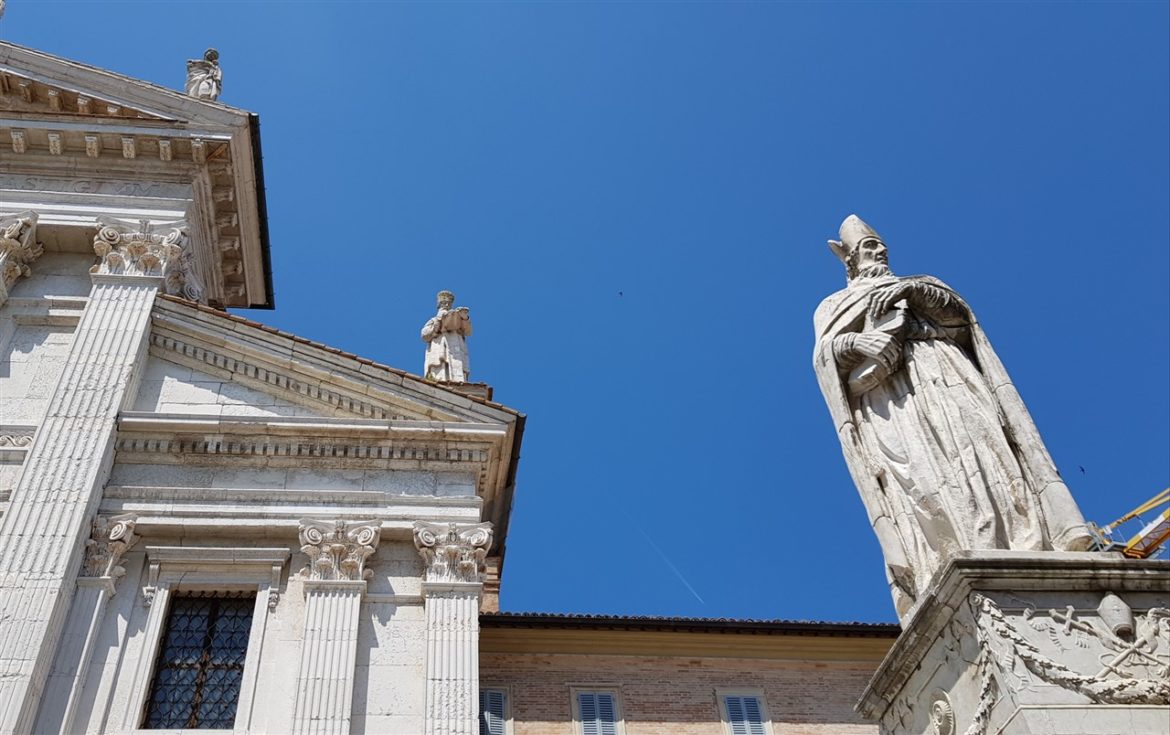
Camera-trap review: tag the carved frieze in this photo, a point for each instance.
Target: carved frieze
(453, 552)
(147, 249)
(18, 248)
(110, 538)
(338, 549)
(1084, 652)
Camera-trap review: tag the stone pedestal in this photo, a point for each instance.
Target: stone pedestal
(1008, 643)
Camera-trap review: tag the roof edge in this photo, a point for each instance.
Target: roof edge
(554, 621)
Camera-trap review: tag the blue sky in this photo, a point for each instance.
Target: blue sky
(634, 198)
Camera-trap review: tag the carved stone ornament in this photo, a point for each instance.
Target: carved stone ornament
(204, 77)
(146, 249)
(1134, 670)
(18, 248)
(453, 552)
(942, 715)
(110, 538)
(338, 550)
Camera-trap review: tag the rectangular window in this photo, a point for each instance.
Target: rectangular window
(200, 662)
(743, 714)
(492, 718)
(597, 713)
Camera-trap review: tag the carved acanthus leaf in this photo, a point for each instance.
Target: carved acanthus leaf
(453, 552)
(337, 549)
(149, 249)
(18, 248)
(110, 538)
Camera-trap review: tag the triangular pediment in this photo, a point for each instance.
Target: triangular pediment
(207, 362)
(173, 388)
(36, 84)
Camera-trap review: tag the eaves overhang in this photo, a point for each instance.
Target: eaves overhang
(86, 142)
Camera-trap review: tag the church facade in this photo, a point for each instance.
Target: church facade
(211, 524)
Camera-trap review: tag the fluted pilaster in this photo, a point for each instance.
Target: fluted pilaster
(453, 555)
(334, 588)
(60, 487)
(101, 569)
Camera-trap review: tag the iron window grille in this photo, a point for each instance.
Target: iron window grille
(200, 663)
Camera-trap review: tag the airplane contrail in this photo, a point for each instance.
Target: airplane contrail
(662, 554)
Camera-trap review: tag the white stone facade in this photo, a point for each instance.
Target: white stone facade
(152, 448)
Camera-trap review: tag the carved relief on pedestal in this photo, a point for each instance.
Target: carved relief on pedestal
(1108, 655)
(147, 249)
(18, 248)
(110, 538)
(453, 552)
(337, 549)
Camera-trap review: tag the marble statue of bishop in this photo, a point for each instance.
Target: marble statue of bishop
(937, 439)
(446, 336)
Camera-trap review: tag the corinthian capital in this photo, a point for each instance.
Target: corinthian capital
(338, 550)
(453, 552)
(18, 248)
(109, 539)
(148, 249)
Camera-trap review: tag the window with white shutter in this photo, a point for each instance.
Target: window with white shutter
(743, 713)
(596, 712)
(492, 718)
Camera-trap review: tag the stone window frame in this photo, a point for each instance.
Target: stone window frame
(721, 695)
(507, 690)
(619, 709)
(177, 569)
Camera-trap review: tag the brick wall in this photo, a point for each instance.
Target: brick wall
(676, 695)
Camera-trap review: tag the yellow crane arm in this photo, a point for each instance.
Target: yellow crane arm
(1146, 542)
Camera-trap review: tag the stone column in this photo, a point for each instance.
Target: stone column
(334, 589)
(454, 556)
(101, 570)
(69, 461)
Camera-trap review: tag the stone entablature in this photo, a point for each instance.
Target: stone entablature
(121, 146)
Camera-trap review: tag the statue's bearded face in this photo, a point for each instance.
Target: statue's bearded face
(446, 303)
(870, 252)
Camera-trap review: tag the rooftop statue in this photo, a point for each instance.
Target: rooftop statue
(446, 336)
(937, 439)
(204, 77)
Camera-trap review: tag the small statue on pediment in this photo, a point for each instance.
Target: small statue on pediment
(204, 77)
(446, 336)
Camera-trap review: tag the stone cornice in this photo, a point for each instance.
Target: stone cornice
(258, 371)
(307, 440)
(65, 119)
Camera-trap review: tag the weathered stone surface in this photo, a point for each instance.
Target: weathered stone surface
(938, 441)
(1009, 642)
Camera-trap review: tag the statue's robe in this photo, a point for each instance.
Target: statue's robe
(943, 450)
(446, 337)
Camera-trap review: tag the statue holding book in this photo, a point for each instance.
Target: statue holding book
(446, 336)
(938, 441)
